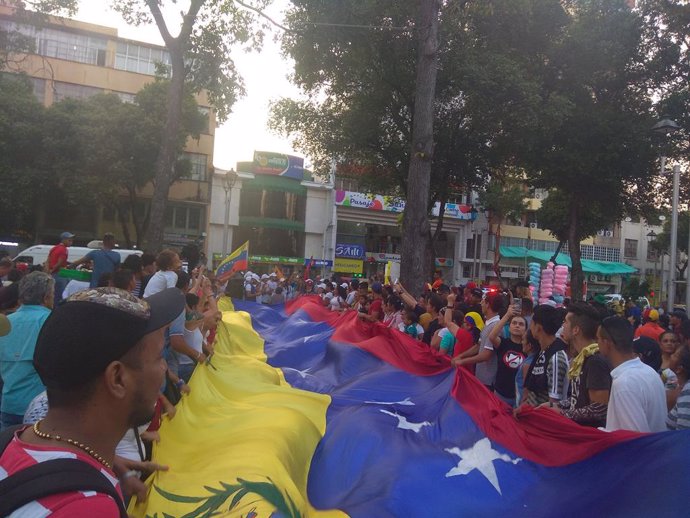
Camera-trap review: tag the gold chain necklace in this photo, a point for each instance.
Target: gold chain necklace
(80, 445)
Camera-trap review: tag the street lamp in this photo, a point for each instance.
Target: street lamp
(228, 182)
(651, 236)
(667, 126)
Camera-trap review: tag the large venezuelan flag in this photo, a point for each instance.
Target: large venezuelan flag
(304, 412)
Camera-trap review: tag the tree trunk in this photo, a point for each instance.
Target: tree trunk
(414, 268)
(497, 253)
(167, 155)
(576, 276)
(124, 224)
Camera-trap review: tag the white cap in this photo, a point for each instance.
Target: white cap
(256, 277)
(272, 274)
(282, 279)
(344, 285)
(334, 284)
(322, 286)
(264, 276)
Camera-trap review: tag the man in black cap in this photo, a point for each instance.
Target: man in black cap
(100, 356)
(474, 302)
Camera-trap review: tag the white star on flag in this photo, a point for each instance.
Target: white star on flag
(405, 402)
(481, 457)
(405, 424)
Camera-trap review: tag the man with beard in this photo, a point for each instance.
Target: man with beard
(100, 356)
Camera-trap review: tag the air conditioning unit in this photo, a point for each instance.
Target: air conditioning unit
(600, 233)
(608, 233)
(537, 195)
(533, 225)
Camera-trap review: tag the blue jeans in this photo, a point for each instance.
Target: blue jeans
(185, 371)
(7, 420)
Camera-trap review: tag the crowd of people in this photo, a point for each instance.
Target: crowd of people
(582, 359)
(91, 367)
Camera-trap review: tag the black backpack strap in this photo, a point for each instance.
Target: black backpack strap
(53, 477)
(7, 435)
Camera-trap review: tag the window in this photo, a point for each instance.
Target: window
(199, 165)
(140, 58)
(180, 218)
(184, 219)
(206, 113)
(193, 218)
(62, 44)
(630, 250)
(126, 97)
(39, 86)
(64, 90)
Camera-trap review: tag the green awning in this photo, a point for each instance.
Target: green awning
(282, 224)
(588, 266)
(270, 182)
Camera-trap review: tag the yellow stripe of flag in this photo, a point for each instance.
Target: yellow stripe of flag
(242, 432)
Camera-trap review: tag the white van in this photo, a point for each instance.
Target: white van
(38, 254)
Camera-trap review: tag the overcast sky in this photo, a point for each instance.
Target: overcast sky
(264, 73)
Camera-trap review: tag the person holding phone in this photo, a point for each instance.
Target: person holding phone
(508, 352)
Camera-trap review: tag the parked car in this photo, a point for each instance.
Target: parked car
(38, 254)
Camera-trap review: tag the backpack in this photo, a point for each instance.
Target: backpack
(50, 478)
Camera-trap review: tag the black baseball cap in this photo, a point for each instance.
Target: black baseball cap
(477, 292)
(95, 327)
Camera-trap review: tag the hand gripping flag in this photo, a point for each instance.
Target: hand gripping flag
(304, 412)
(235, 262)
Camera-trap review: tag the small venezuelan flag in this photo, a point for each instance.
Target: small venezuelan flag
(235, 262)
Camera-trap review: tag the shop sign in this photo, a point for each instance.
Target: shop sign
(275, 259)
(382, 258)
(266, 162)
(318, 262)
(394, 204)
(455, 211)
(351, 251)
(342, 265)
(369, 201)
(443, 261)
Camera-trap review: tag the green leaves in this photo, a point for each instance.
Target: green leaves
(211, 505)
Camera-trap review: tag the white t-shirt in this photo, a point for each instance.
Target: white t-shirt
(160, 281)
(335, 303)
(638, 399)
(128, 447)
(75, 286)
(486, 371)
(351, 298)
(195, 340)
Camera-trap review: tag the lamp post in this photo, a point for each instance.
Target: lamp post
(228, 183)
(666, 127)
(651, 236)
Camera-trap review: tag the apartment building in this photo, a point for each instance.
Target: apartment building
(76, 59)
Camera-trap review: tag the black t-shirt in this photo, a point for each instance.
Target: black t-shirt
(510, 358)
(433, 326)
(595, 375)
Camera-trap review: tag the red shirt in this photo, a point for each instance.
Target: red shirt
(463, 342)
(376, 306)
(56, 253)
(650, 330)
(20, 455)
